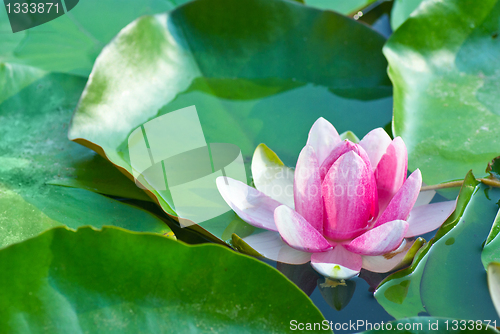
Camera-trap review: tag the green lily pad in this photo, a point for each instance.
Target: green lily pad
(456, 258)
(114, 281)
(341, 6)
(491, 249)
(24, 217)
(446, 277)
(258, 72)
(14, 77)
(269, 172)
(433, 325)
(35, 152)
(71, 42)
(445, 88)
(401, 11)
(34, 142)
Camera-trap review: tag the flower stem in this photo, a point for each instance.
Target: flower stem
(455, 184)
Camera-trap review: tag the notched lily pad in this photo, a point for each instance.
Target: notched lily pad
(449, 265)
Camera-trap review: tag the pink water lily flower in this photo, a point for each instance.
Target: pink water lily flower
(346, 206)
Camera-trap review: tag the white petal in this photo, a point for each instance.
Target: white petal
(249, 204)
(271, 176)
(270, 245)
(338, 263)
(387, 262)
(424, 197)
(375, 144)
(323, 137)
(494, 284)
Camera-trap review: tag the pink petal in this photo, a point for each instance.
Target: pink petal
(387, 262)
(375, 144)
(250, 204)
(297, 232)
(337, 263)
(350, 197)
(340, 150)
(307, 188)
(379, 240)
(401, 204)
(323, 137)
(391, 171)
(270, 245)
(428, 217)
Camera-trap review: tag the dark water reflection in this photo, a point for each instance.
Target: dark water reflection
(344, 303)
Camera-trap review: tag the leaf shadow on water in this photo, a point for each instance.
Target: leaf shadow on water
(342, 302)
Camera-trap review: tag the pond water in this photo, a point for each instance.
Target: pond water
(348, 305)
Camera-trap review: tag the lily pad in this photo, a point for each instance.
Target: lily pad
(35, 151)
(113, 281)
(24, 217)
(491, 249)
(445, 89)
(341, 6)
(401, 11)
(257, 71)
(456, 257)
(449, 266)
(77, 37)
